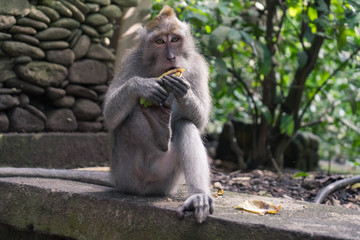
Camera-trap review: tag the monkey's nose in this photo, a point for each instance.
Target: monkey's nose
(170, 56)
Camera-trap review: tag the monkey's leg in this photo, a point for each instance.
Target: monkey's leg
(192, 154)
(159, 119)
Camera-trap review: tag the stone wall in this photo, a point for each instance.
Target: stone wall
(55, 63)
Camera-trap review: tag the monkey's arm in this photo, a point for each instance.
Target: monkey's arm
(193, 101)
(121, 99)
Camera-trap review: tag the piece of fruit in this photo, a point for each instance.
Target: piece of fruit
(258, 206)
(174, 72)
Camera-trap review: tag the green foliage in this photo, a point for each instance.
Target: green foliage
(249, 54)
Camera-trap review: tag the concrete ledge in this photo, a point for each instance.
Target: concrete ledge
(54, 150)
(85, 211)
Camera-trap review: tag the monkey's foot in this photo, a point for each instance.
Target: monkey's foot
(201, 204)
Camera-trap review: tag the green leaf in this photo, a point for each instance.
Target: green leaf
(341, 37)
(234, 35)
(246, 37)
(287, 124)
(312, 13)
(263, 55)
(218, 36)
(220, 67)
(293, 11)
(301, 174)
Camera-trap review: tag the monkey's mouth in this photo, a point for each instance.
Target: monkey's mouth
(170, 69)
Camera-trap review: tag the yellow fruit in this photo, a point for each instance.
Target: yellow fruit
(173, 72)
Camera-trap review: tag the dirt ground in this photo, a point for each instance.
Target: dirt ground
(305, 188)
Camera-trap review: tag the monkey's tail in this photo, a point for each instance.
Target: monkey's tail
(93, 177)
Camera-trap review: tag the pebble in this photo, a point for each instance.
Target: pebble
(101, 2)
(77, 14)
(8, 101)
(111, 11)
(42, 73)
(97, 51)
(36, 112)
(51, 13)
(54, 93)
(24, 100)
(93, 7)
(22, 59)
(80, 91)
(7, 74)
(53, 33)
(64, 57)
(4, 122)
(4, 36)
(22, 29)
(126, 3)
(88, 71)
(38, 15)
(22, 120)
(26, 38)
(80, 5)
(51, 45)
(81, 47)
(61, 120)
(64, 102)
(25, 86)
(58, 6)
(17, 8)
(68, 23)
(32, 23)
(100, 89)
(96, 19)
(89, 31)
(15, 49)
(6, 22)
(105, 28)
(85, 109)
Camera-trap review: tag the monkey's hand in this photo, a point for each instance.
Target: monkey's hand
(151, 90)
(200, 204)
(178, 85)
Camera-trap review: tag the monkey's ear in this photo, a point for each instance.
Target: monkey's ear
(167, 12)
(165, 15)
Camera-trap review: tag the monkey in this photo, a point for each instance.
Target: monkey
(154, 148)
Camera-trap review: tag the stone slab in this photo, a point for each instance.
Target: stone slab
(54, 150)
(74, 210)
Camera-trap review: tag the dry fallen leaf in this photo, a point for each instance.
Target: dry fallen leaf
(258, 206)
(219, 193)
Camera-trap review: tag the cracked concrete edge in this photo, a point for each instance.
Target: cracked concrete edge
(85, 211)
(54, 150)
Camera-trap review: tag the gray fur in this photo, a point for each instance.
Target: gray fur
(139, 165)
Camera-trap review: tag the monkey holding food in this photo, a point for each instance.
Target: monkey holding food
(156, 123)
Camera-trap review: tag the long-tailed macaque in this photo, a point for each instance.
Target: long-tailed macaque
(154, 147)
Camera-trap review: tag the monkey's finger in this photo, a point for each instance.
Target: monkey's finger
(174, 87)
(161, 94)
(178, 82)
(211, 205)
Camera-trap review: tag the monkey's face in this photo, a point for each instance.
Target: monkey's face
(167, 52)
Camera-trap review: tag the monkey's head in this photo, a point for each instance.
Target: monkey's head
(167, 42)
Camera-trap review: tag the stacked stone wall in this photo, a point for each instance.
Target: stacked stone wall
(55, 64)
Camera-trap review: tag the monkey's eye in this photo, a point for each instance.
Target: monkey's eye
(159, 41)
(175, 39)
